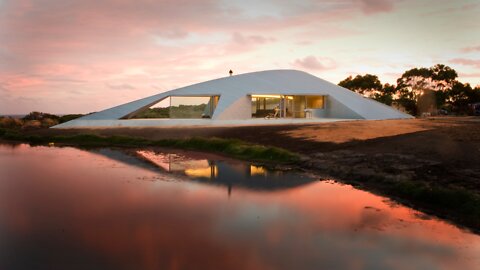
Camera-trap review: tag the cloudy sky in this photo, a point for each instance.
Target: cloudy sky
(78, 56)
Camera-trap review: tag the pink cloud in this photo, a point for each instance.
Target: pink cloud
(64, 51)
(470, 6)
(467, 62)
(471, 49)
(241, 43)
(35, 32)
(376, 6)
(173, 34)
(471, 75)
(19, 81)
(122, 86)
(393, 74)
(252, 39)
(313, 63)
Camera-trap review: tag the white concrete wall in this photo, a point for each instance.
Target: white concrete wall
(336, 109)
(235, 102)
(239, 108)
(167, 123)
(320, 113)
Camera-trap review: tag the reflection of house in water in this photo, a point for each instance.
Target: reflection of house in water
(213, 172)
(217, 172)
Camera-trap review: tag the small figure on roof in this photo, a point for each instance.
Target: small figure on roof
(230, 72)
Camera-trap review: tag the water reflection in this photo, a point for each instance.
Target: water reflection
(64, 208)
(214, 171)
(223, 172)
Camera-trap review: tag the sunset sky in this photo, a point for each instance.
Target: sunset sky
(79, 56)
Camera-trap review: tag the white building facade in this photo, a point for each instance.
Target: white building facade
(264, 97)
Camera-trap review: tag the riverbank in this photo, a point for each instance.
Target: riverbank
(430, 164)
(231, 147)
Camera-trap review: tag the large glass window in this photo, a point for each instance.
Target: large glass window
(315, 102)
(181, 107)
(266, 105)
(189, 107)
(275, 106)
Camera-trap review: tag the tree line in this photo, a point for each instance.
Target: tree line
(420, 90)
(35, 120)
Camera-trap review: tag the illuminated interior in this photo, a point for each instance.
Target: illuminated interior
(196, 168)
(286, 106)
(175, 163)
(210, 172)
(257, 170)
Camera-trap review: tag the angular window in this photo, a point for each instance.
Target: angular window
(179, 107)
(286, 106)
(265, 105)
(315, 102)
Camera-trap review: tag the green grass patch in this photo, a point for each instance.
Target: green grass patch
(234, 148)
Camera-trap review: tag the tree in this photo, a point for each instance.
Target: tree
(429, 86)
(367, 85)
(461, 96)
(443, 76)
(386, 95)
(39, 116)
(418, 90)
(370, 86)
(475, 95)
(413, 82)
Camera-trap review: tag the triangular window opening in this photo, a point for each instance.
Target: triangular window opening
(180, 107)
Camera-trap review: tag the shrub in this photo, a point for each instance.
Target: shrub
(48, 122)
(32, 124)
(39, 116)
(11, 123)
(68, 117)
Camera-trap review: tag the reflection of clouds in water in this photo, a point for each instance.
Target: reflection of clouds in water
(77, 212)
(373, 218)
(379, 251)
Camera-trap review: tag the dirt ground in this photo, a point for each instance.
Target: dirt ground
(442, 150)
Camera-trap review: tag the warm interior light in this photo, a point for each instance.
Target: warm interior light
(272, 96)
(266, 96)
(202, 172)
(256, 170)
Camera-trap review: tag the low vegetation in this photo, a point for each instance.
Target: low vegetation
(422, 183)
(453, 202)
(230, 147)
(35, 120)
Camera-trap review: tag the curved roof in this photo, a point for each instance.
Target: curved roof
(287, 82)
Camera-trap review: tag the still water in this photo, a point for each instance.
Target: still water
(67, 208)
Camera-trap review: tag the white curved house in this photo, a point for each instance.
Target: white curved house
(264, 97)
